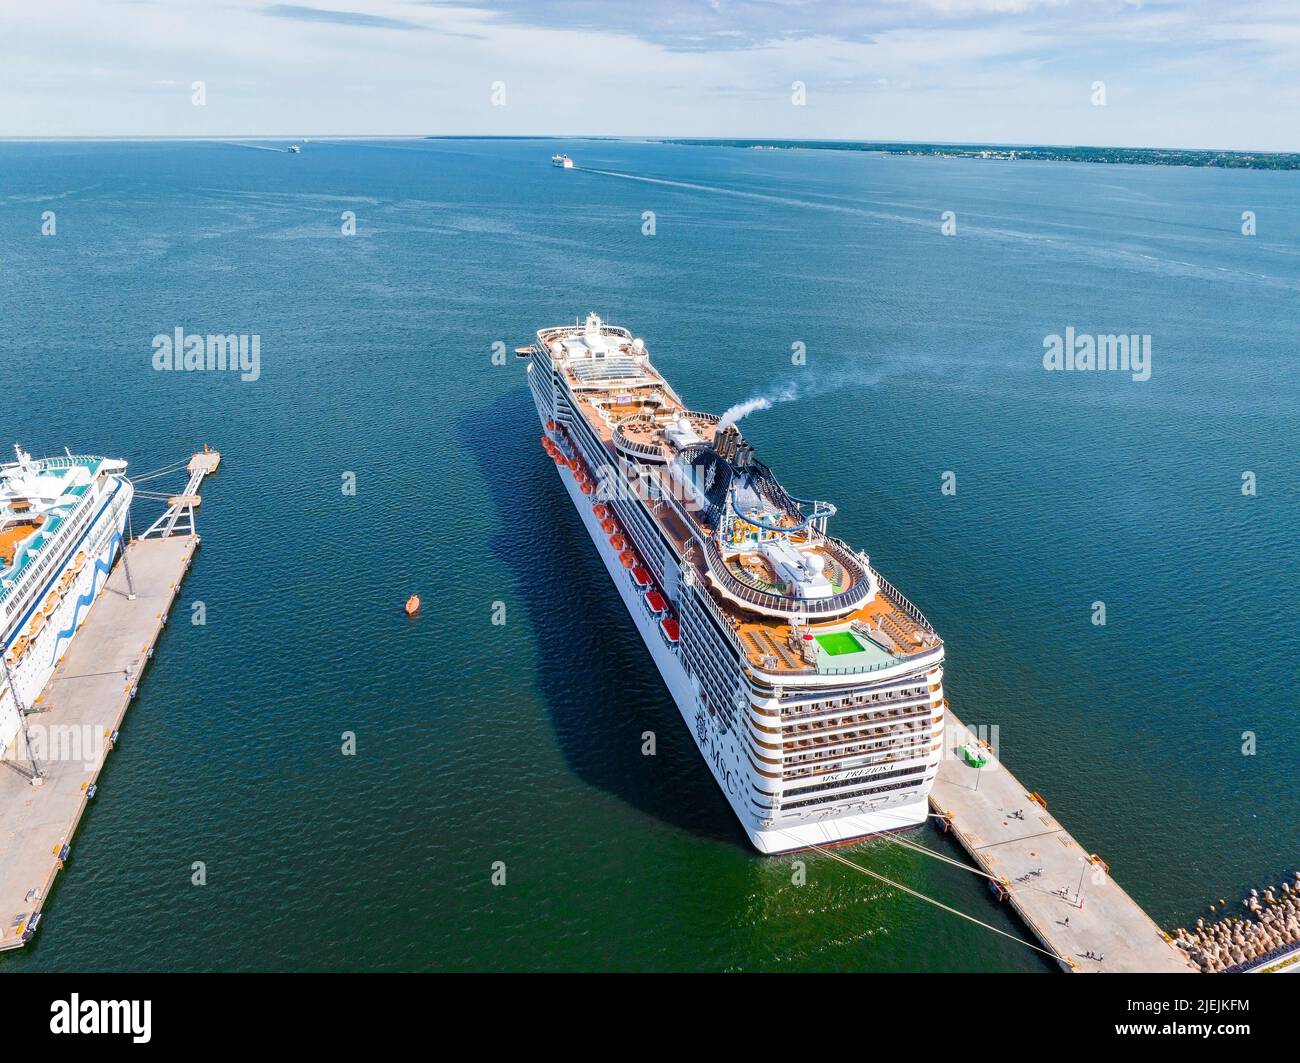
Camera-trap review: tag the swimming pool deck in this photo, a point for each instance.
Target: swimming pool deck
(1072, 905)
(82, 708)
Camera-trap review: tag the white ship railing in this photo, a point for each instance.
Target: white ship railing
(33, 566)
(897, 599)
(837, 604)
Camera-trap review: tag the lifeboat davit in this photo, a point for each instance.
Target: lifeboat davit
(412, 605)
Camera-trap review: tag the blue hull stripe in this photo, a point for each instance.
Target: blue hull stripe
(40, 597)
(87, 598)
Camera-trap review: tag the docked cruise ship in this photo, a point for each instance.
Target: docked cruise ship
(811, 686)
(61, 523)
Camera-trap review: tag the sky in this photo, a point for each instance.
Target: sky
(1176, 73)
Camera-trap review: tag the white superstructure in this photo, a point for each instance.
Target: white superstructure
(812, 688)
(61, 523)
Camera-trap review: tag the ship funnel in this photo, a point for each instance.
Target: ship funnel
(732, 448)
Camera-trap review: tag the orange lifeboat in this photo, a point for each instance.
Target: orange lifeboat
(586, 487)
(608, 527)
(51, 603)
(628, 558)
(601, 510)
(617, 541)
(412, 605)
(550, 426)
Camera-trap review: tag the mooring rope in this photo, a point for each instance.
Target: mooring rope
(921, 896)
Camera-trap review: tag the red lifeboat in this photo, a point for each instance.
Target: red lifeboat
(655, 600)
(640, 576)
(671, 629)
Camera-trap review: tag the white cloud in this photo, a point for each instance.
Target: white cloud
(973, 70)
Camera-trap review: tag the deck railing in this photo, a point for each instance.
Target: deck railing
(895, 598)
(832, 606)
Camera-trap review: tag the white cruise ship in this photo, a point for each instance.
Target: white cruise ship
(812, 688)
(562, 161)
(61, 523)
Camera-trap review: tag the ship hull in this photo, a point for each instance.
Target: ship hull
(721, 757)
(101, 542)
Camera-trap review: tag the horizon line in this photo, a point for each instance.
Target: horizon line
(656, 138)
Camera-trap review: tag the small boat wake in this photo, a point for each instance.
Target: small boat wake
(762, 197)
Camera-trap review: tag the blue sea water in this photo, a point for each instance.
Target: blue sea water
(521, 743)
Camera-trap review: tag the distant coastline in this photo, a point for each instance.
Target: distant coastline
(1234, 160)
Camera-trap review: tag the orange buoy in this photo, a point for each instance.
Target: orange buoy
(412, 605)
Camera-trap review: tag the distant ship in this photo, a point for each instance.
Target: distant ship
(562, 161)
(812, 688)
(294, 149)
(61, 523)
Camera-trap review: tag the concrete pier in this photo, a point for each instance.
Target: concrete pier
(83, 707)
(1065, 896)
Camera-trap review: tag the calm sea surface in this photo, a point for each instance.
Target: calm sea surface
(521, 743)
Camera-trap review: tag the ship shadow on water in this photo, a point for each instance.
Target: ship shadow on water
(600, 686)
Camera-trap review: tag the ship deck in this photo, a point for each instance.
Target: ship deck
(765, 640)
(12, 537)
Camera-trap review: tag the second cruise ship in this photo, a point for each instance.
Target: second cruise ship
(813, 688)
(61, 523)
